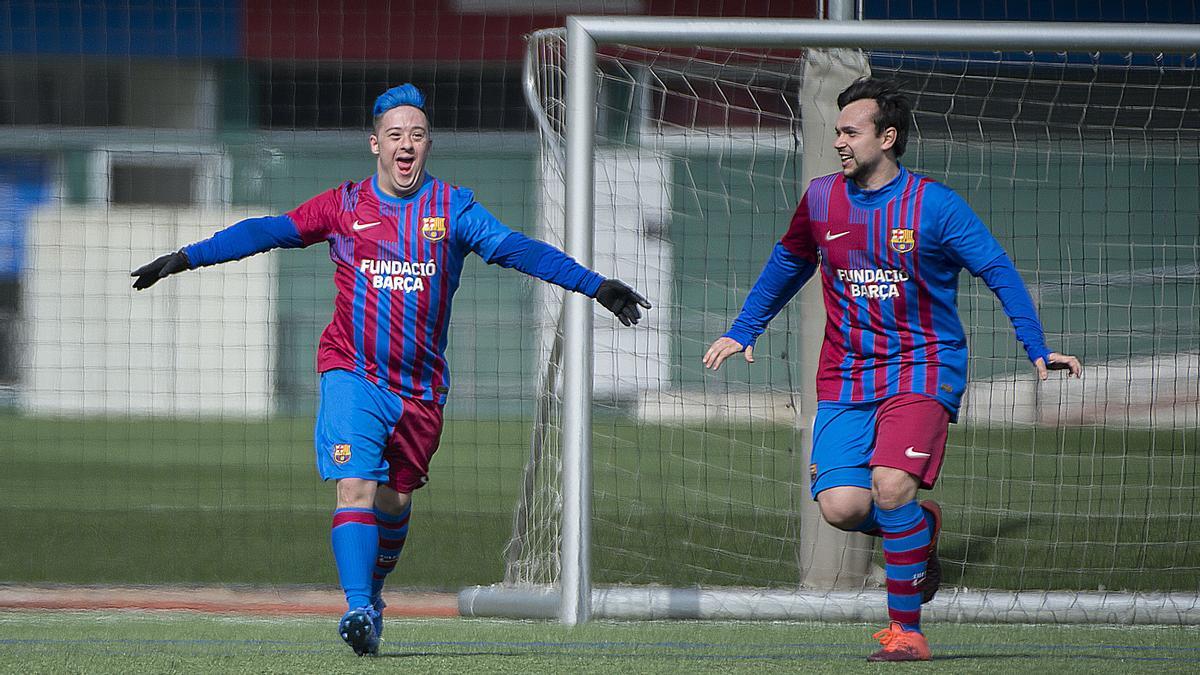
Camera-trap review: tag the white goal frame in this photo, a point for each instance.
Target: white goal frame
(576, 601)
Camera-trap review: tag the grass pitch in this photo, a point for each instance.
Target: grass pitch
(125, 643)
(125, 501)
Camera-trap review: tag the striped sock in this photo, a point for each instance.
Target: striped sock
(906, 535)
(355, 544)
(393, 531)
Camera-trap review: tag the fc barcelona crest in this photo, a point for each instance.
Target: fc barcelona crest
(902, 240)
(433, 227)
(341, 453)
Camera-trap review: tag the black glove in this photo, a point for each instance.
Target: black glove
(621, 300)
(161, 268)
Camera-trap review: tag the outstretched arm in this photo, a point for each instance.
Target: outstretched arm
(242, 239)
(967, 240)
(1001, 276)
(541, 260)
(782, 277)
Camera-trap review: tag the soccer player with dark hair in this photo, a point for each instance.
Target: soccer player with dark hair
(890, 245)
(398, 240)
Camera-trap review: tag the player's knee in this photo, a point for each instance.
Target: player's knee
(355, 493)
(892, 496)
(893, 488)
(844, 514)
(390, 501)
(845, 521)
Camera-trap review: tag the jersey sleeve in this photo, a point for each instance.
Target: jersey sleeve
(539, 259)
(244, 238)
(476, 228)
(798, 239)
(1001, 276)
(968, 242)
(782, 277)
(316, 219)
(964, 237)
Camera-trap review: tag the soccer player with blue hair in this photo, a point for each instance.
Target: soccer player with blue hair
(890, 245)
(398, 240)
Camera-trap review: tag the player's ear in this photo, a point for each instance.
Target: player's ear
(374, 143)
(889, 137)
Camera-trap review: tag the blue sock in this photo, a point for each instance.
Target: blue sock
(906, 535)
(355, 541)
(393, 531)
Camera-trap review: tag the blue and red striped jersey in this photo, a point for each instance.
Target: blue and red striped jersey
(398, 263)
(890, 260)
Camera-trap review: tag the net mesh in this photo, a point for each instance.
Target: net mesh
(1084, 166)
(165, 436)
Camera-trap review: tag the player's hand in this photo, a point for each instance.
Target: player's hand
(160, 268)
(1056, 361)
(621, 300)
(724, 348)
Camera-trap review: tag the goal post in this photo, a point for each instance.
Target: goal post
(1033, 425)
(829, 558)
(576, 603)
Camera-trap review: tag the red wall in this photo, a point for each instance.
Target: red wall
(433, 30)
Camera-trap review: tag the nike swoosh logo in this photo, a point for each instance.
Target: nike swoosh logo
(364, 226)
(911, 453)
(829, 236)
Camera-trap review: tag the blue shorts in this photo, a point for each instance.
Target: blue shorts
(906, 432)
(366, 431)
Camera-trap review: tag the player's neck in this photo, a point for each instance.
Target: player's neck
(389, 190)
(883, 174)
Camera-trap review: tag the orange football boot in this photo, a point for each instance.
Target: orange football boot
(901, 645)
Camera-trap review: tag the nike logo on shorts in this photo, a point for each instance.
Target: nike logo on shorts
(364, 226)
(912, 453)
(829, 236)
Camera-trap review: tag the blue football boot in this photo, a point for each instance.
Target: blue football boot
(357, 628)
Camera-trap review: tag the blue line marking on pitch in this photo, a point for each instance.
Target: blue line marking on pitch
(146, 641)
(773, 645)
(801, 650)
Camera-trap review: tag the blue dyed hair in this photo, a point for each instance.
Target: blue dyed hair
(405, 94)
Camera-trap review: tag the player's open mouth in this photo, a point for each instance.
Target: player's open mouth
(405, 164)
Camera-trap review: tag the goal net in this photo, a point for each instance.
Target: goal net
(1063, 500)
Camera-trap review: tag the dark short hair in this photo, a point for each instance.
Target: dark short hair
(895, 110)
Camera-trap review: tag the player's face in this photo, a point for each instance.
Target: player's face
(863, 151)
(402, 144)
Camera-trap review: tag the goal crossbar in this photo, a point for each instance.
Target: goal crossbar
(927, 35)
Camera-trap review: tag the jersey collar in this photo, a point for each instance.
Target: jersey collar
(385, 198)
(871, 198)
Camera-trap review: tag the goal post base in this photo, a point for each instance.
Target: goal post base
(960, 606)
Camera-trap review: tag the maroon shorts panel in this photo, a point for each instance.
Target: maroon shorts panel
(411, 444)
(910, 435)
